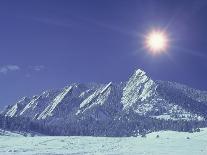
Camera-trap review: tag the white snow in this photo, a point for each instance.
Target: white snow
(48, 111)
(12, 111)
(89, 99)
(99, 97)
(138, 88)
(168, 143)
(8, 133)
(95, 95)
(140, 94)
(105, 88)
(32, 104)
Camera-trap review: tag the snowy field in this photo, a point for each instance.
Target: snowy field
(169, 142)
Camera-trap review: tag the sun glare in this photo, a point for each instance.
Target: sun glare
(156, 42)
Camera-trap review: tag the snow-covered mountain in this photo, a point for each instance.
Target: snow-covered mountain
(88, 105)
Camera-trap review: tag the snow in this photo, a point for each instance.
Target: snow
(30, 104)
(105, 88)
(12, 111)
(48, 111)
(138, 88)
(8, 133)
(168, 143)
(99, 97)
(141, 94)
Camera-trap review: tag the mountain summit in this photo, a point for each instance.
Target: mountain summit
(138, 105)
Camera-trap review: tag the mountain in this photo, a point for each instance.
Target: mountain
(136, 106)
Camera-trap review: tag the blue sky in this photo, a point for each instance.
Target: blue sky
(51, 43)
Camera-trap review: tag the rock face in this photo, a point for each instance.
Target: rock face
(103, 106)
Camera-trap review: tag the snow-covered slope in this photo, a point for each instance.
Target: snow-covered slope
(9, 133)
(157, 143)
(138, 88)
(108, 103)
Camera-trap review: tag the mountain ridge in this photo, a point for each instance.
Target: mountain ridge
(78, 105)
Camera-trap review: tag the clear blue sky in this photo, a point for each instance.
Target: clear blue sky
(49, 44)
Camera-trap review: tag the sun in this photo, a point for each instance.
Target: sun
(156, 41)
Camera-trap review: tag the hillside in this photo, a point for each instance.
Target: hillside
(137, 106)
